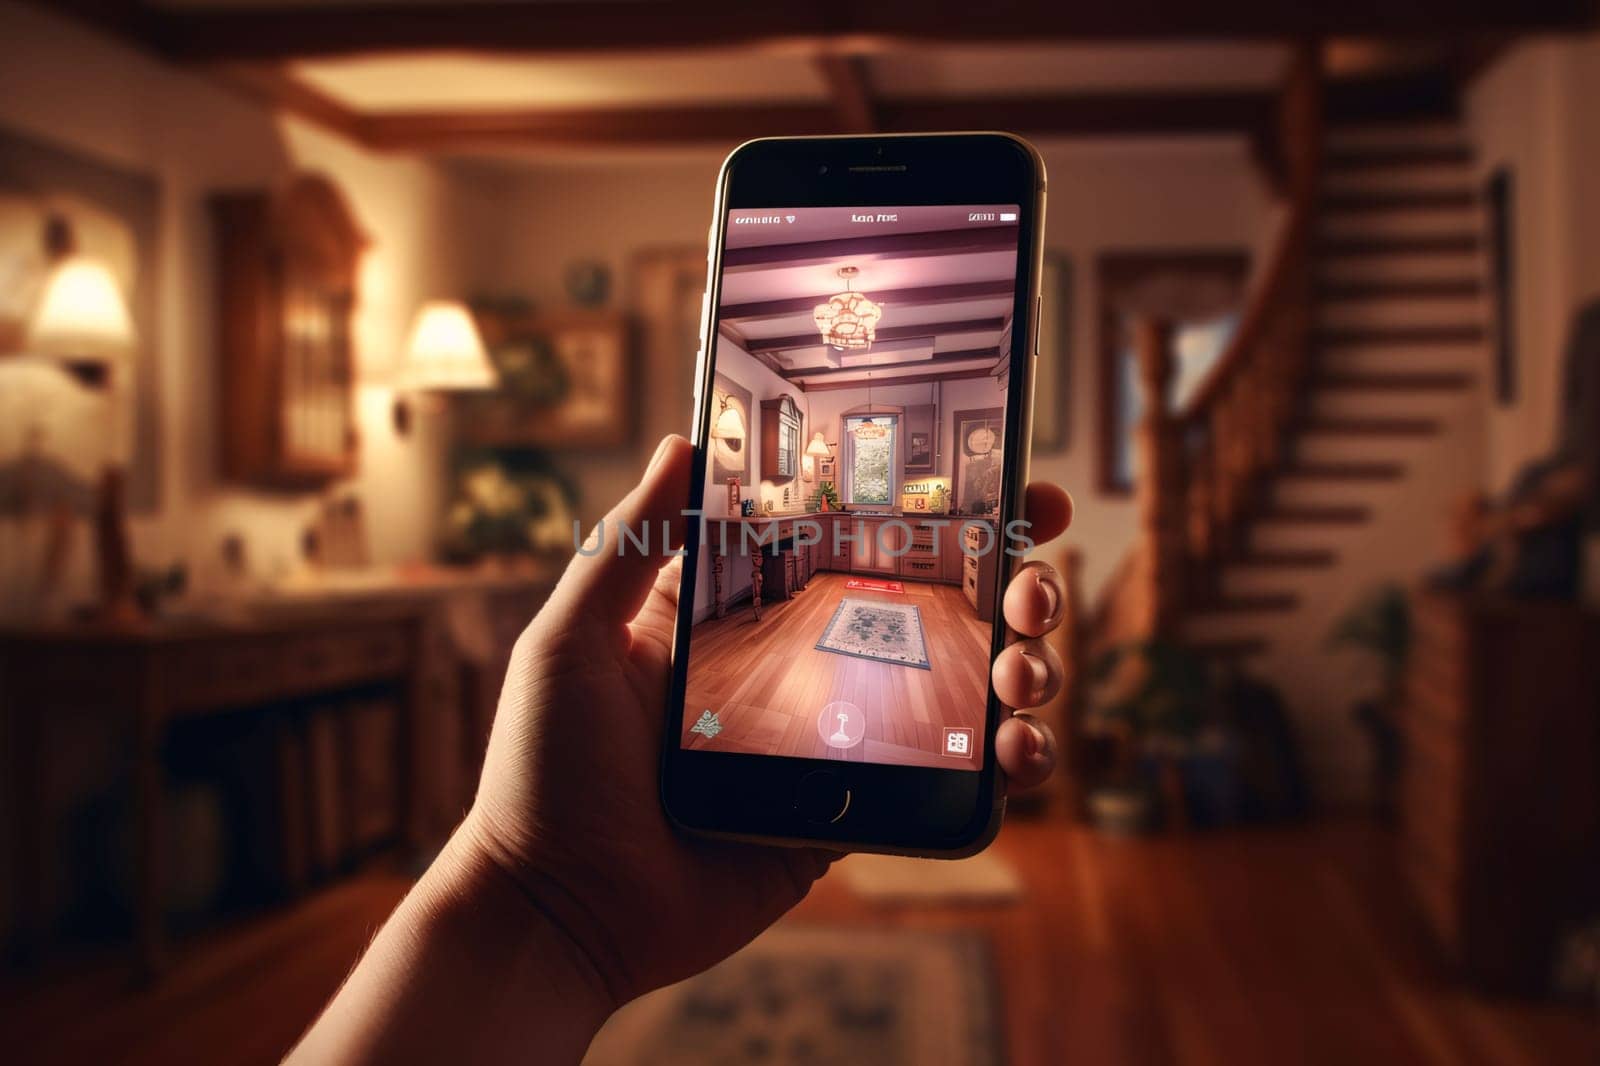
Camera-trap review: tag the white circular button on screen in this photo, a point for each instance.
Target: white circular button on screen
(841, 724)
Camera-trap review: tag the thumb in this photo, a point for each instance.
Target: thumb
(609, 579)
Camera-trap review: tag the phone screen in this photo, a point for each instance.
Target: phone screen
(851, 540)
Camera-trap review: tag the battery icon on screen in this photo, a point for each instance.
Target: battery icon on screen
(1008, 216)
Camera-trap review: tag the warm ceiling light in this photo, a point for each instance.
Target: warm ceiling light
(818, 448)
(848, 321)
(82, 314)
(445, 351)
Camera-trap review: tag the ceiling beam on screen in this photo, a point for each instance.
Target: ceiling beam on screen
(962, 355)
(916, 296)
(906, 379)
(967, 240)
(892, 333)
(566, 27)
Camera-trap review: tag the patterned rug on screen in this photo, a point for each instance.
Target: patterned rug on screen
(885, 632)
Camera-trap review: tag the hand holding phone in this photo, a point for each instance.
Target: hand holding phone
(868, 348)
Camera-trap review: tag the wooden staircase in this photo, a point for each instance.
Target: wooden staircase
(1323, 454)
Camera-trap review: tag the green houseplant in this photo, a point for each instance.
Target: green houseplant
(826, 498)
(1379, 625)
(1149, 698)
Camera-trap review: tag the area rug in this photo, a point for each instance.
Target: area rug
(886, 632)
(806, 995)
(984, 879)
(873, 584)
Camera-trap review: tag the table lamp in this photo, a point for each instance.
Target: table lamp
(83, 321)
(444, 353)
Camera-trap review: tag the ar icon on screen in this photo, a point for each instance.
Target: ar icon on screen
(958, 743)
(708, 726)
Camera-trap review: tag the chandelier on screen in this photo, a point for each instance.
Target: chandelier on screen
(848, 321)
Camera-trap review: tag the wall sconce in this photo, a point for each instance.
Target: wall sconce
(444, 353)
(729, 424)
(818, 448)
(83, 321)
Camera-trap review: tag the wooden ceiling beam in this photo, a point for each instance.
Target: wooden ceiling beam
(892, 333)
(964, 241)
(918, 296)
(851, 89)
(962, 355)
(906, 379)
(567, 27)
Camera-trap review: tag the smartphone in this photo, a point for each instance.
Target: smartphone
(863, 400)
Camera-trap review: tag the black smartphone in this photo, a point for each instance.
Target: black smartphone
(862, 410)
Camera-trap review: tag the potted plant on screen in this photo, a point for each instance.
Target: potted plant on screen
(826, 498)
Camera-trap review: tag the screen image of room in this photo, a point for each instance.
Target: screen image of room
(851, 544)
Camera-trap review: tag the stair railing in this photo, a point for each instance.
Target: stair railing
(1200, 466)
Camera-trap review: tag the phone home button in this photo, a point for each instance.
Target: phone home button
(822, 796)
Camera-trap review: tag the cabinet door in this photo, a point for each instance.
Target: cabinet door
(840, 553)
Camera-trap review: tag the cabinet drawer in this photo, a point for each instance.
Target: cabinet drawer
(927, 569)
(228, 673)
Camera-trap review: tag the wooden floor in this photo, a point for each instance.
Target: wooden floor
(768, 682)
(1244, 948)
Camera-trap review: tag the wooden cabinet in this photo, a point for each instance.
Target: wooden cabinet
(980, 565)
(780, 439)
(876, 546)
(286, 267)
(922, 560)
(1498, 802)
(838, 548)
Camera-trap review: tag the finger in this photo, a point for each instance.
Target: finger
(1026, 750)
(1027, 674)
(652, 628)
(1035, 600)
(1048, 510)
(607, 582)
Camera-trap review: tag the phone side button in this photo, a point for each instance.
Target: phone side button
(1038, 317)
(822, 796)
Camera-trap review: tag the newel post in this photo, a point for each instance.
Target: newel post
(1160, 489)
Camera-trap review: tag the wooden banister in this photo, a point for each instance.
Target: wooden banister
(1201, 465)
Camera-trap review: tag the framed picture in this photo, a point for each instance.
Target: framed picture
(980, 444)
(828, 468)
(565, 382)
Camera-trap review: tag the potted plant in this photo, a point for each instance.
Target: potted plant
(1379, 625)
(1149, 698)
(826, 498)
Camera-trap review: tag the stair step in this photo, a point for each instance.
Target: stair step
(1418, 244)
(1397, 381)
(1400, 200)
(1413, 155)
(1328, 425)
(1227, 648)
(1286, 558)
(1401, 133)
(1314, 514)
(1403, 335)
(1420, 289)
(1344, 471)
(1247, 603)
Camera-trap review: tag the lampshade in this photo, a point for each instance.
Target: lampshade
(729, 424)
(82, 314)
(445, 351)
(818, 447)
